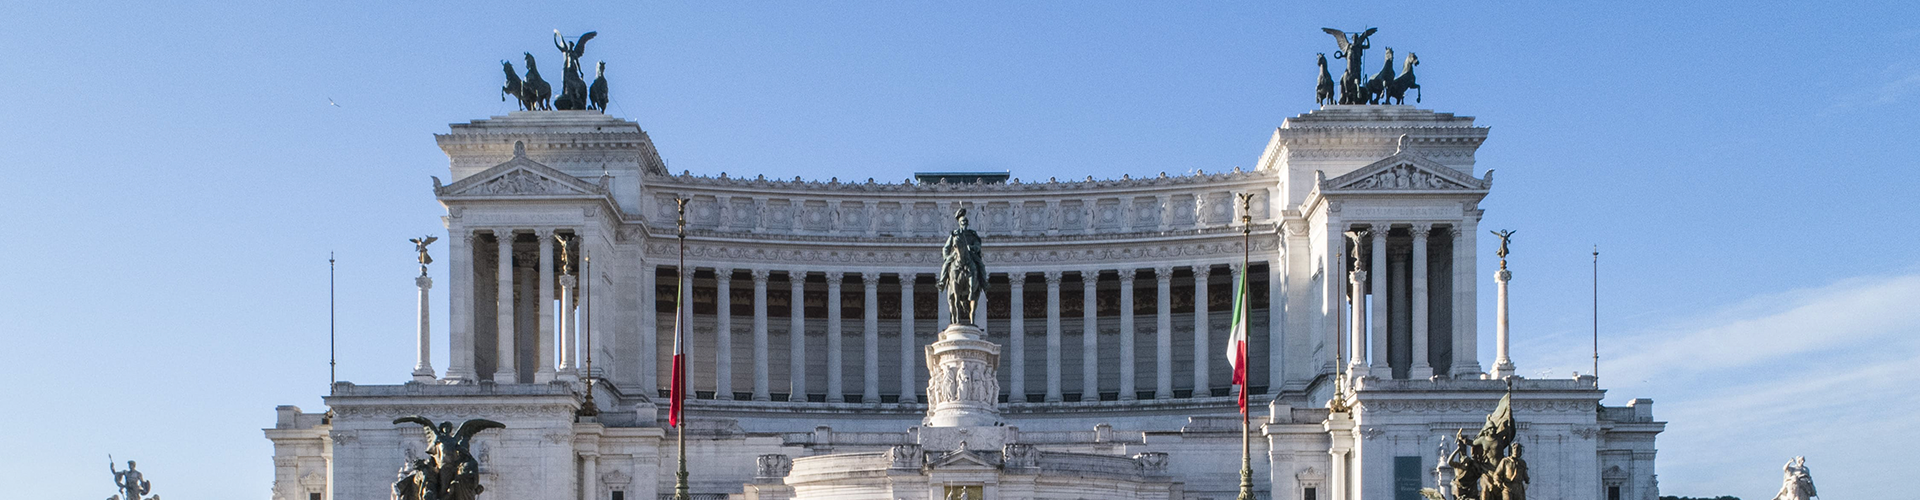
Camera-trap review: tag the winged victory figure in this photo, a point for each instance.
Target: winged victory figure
(1352, 50)
(452, 472)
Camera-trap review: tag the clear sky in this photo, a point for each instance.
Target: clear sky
(175, 180)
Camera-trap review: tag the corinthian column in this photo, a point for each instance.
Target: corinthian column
(1421, 367)
(1053, 338)
(761, 385)
(797, 337)
(1502, 364)
(835, 357)
(1089, 336)
(870, 341)
(503, 368)
(1163, 338)
(423, 366)
(723, 331)
(1378, 360)
(908, 386)
(460, 322)
(1357, 304)
(544, 373)
(1017, 338)
(1129, 362)
(1202, 355)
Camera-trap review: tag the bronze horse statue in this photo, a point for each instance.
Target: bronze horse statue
(1397, 88)
(597, 93)
(1377, 86)
(514, 87)
(1352, 89)
(534, 88)
(1323, 93)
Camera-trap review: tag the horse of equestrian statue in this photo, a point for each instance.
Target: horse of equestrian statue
(1397, 89)
(1323, 92)
(534, 88)
(1377, 86)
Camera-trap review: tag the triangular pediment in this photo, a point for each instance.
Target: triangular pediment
(1406, 171)
(520, 176)
(962, 459)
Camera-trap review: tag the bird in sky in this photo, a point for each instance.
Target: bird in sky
(330, 102)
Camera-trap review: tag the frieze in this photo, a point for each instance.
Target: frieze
(1455, 406)
(1401, 212)
(761, 184)
(451, 412)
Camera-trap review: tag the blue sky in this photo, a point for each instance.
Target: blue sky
(176, 180)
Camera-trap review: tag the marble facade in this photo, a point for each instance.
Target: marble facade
(812, 305)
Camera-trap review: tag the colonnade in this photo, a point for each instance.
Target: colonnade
(1394, 335)
(527, 284)
(1021, 335)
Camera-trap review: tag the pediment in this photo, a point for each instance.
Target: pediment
(1406, 171)
(520, 176)
(962, 459)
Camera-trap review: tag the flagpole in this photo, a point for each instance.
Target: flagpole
(1246, 425)
(680, 490)
(1596, 313)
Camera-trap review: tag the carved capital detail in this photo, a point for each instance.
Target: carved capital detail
(760, 276)
(1053, 279)
(1164, 274)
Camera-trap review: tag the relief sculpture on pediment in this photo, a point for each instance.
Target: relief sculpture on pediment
(520, 182)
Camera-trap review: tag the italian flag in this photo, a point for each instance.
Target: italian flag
(678, 392)
(1237, 341)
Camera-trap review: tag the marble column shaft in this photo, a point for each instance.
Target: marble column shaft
(797, 337)
(1502, 363)
(1421, 368)
(685, 314)
(870, 340)
(1017, 338)
(723, 333)
(1129, 363)
(423, 366)
(1055, 356)
(836, 389)
(1202, 354)
(503, 370)
(460, 331)
(908, 385)
(565, 321)
(761, 385)
(1377, 271)
(1466, 353)
(1089, 336)
(544, 239)
(649, 329)
(1163, 336)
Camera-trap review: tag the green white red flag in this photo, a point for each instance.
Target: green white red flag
(1237, 341)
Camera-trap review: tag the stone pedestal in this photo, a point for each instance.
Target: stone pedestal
(963, 388)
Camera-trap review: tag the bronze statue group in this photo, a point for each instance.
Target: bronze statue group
(1488, 467)
(533, 92)
(1355, 87)
(450, 471)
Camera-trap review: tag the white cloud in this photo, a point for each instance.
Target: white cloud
(1822, 372)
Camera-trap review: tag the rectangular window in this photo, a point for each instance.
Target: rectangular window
(619, 495)
(313, 496)
(1613, 493)
(1311, 494)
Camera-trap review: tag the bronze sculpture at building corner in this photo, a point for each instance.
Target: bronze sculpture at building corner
(963, 273)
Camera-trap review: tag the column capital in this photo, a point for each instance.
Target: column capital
(423, 282)
(797, 275)
(1420, 229)
(502, 232)
(1164, 274)
(834, 277)
(543, 233)
(872, 279)
(1017, 280)
(723, 273)
(1357, 277)
(760, 276)
(1455, 231)
(1127, 276)
(568, 281)
(1053, 278)
(1236, 268)
(1200, 271)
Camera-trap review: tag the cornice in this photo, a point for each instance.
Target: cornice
(762, 187)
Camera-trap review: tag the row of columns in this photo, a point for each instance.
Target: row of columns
(1018, 335)
(557, 345)
(1368, 325)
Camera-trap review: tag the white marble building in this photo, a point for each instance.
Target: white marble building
(1109, 299)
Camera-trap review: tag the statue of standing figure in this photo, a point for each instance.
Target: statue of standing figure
(1797, 483)
(573, 82)
(963, 273)
(130, 483)
(1352, 88)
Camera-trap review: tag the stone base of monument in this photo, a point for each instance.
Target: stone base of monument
(964, 450)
